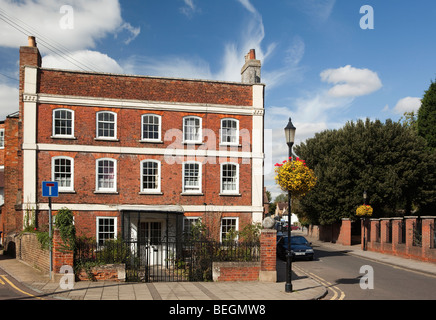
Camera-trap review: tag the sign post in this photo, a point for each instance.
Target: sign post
(50, 189)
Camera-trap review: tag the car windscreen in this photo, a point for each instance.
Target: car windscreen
(298, 240)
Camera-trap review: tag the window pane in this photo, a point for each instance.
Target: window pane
(191, 129)
(106, 174)
(106, 124)
(63, 172)
(150, 127)
(229, 131)
(229, 176)
(227, 225)
(192, 177)
(150, 175)
(63, 122)
(106, 229)
(2, 138)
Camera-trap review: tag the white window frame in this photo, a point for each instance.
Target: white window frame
(2, 138)
(54, 124)
(158, 189)
(199, 138)
(97, 121)
(189, 221)
(236, 191)
(159, 138)
(102, 189)
(198, 189)
(97, 224)
(62, 188)
(222, 225)
(222, 131)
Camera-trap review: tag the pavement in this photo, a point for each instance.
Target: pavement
(39, 285)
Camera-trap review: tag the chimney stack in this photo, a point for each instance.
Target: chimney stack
(29, 55)
(250, 72)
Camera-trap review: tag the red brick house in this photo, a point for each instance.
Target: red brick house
(136, 156)
(2, 170)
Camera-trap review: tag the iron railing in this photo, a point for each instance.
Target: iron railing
(389, 231)
(402, 231)
(417, 233)
(167, 260)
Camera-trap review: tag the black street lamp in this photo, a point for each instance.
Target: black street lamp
(365, 194)
(290, 138)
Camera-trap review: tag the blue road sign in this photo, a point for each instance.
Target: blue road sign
(50, 189)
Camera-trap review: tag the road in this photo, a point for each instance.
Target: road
(341, 273)
(10, 289)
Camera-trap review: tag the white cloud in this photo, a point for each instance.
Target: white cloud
(132, 32)
(189, 8)
(92, 20)
(319, 10)
(8, 100)
(170, 66)
(407, 104)
(351, 82)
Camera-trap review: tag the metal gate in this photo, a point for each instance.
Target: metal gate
(167, 261)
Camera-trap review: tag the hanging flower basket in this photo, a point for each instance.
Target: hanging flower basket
(364, 211)
(295, 176)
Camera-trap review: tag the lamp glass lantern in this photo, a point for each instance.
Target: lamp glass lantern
(290, 133)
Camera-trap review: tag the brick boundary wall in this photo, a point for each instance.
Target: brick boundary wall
(236, 271)
(402, 247)
(264, 270)
(28, 250)
(109, 272)
(378, 238)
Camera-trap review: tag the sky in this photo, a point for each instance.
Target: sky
(324, 62)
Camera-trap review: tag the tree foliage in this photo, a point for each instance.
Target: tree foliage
(427, 117)
(388, 160)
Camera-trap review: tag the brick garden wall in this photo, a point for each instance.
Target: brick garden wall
(380, 238)
(385, 235)
(29, 250)
(264, 270)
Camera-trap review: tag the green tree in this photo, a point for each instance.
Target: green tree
(387, 159)
(427, 117)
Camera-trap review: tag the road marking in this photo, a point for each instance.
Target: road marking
(18, 289)
(335, 290)
(2, 282)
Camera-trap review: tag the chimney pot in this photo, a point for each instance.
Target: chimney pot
(32, 41)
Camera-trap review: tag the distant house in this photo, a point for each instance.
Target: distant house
(136, 157)
(282, 213)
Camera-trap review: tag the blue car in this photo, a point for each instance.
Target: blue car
(300, 247)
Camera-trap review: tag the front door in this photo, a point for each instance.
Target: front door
(150, 237)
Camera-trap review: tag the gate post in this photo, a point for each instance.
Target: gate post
(61, 257)
(428, 224)
(345, 232)
(268, 243)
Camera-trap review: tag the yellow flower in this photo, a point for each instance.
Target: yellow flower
(364, 210)
(295, 176)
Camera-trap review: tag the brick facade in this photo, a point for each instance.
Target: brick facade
(37, 151)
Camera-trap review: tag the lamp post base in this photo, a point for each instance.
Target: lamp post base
(288, 285)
